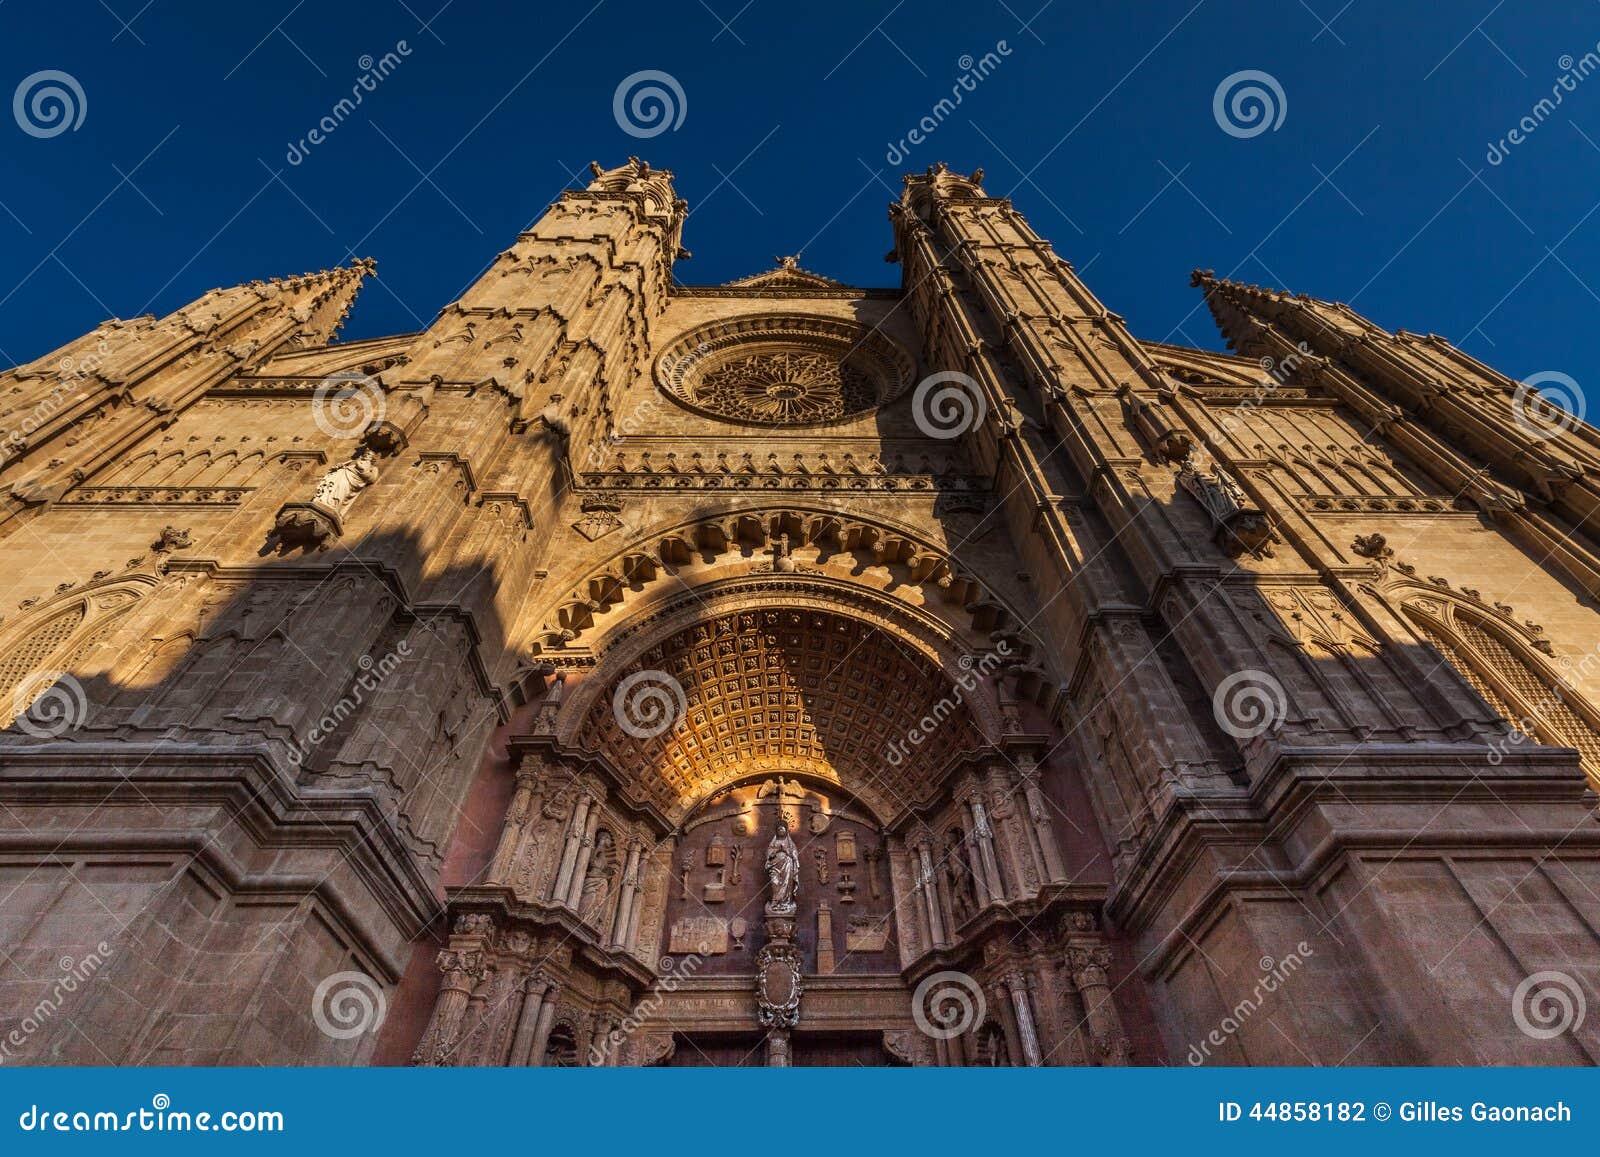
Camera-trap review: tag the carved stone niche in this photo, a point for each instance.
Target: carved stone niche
(1238, 525)
(307, 525)
(318, 522)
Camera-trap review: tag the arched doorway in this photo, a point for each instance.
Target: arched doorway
(630, 888)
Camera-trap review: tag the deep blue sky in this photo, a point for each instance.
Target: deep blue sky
(1374, 190)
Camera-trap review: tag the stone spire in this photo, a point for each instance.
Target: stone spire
(1479, 433)
(64, 415)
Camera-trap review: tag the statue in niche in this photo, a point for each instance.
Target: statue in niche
(783, 870)
(963, 893)
(597, 885)
(992, 1048)
(339, 486)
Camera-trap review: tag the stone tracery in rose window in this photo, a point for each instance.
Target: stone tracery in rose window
(780, 370)
(787, 387)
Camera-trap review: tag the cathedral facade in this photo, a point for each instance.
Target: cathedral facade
(627, 672)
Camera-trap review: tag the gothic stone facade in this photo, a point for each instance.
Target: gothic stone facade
(435, 698)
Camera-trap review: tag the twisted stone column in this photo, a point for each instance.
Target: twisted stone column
(628, 898)
(541, 1032)
(984, 835)
(1038, 812)
(930, 896)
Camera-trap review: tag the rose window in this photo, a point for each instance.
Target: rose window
(784, 371)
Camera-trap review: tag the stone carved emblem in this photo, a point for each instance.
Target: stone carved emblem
(778, 986)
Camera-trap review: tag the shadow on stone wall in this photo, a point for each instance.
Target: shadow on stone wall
(270, 775)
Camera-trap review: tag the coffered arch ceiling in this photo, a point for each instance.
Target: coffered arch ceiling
(779, 686)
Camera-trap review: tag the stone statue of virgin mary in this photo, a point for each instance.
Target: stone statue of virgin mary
(783, 870)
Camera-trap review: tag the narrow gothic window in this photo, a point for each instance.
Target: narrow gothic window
(1512, 684)
(34, 654)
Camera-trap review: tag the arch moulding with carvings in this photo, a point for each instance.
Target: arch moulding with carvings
(910, 558)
